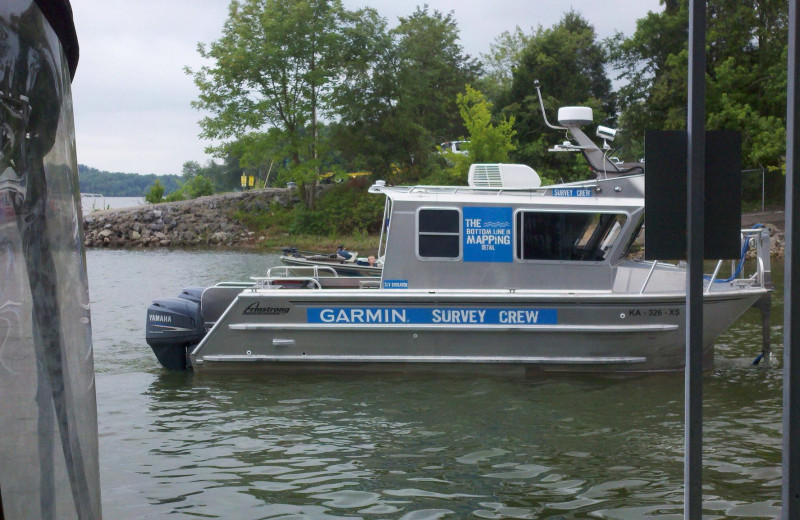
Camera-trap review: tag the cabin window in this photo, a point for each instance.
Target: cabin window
(567, 236)
(439, 233)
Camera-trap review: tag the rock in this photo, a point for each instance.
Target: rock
(219, 236)
(158, 225)
(135, 235)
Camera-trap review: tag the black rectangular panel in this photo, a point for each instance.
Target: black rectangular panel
(723, 189)
(666, 193)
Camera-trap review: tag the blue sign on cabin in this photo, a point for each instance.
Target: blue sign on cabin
(487, 234)
(435, 315)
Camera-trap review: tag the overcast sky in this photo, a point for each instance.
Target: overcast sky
(132, 98)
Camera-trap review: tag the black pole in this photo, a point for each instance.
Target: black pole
(791, 334)
(693, 391)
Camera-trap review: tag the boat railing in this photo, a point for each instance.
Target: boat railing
(304, 276)
(541, 191)
(757, 238)
(279, 282)
(310, 271)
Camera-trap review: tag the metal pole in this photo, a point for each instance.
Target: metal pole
(791, 334)
(693, 392)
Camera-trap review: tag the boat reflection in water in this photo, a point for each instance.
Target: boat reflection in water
(500, 275)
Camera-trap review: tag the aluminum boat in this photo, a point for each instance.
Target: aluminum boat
(354, 266)
(501, 275)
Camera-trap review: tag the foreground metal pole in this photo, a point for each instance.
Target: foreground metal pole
(693, 392)
(791, 334)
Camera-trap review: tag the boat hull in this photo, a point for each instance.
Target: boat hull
(384, 330)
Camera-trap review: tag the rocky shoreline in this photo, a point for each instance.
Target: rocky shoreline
(202, 222)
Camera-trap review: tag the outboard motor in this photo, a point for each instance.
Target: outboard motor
(193, 294)
(173, 326)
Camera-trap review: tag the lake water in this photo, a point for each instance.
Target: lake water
(412, 448)
(90, 204)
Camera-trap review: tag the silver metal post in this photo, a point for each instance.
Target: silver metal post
(791, 334)
(693, 404)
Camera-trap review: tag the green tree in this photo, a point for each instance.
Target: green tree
(432, 69)
(505, 53)
(155, 194)
(746, 50)
(488, 142)
(400, 103)
(275, 65)
(190, 169)
(570, 63)
(117, 184)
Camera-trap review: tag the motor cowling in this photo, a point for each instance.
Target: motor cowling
(173, 326)
(193, 294)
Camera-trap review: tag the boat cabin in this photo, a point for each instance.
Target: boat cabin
(487, 237)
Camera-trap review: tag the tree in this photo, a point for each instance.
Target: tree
(190, 169)
(746, 44)
(275, 65)
(400, 101)
(505, 54)
(431, 70)
(488, 143)
(570, 64)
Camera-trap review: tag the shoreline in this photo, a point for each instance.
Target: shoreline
(202, 222)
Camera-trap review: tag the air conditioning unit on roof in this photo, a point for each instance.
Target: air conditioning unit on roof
(497, 175)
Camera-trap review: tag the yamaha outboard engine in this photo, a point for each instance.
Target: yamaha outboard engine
(173, 326)
(193, 294)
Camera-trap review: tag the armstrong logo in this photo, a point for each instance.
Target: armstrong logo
(256, 309)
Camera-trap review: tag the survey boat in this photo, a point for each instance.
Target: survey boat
(501, 275)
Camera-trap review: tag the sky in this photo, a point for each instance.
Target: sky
(132, 99)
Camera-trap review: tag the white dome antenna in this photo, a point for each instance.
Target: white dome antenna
(571, 117)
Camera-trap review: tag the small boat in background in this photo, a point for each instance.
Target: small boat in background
(92, 202)
(353, 266)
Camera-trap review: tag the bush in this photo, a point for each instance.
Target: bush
(155, 194)
(344, 209)
(175, 196)
(198, 186)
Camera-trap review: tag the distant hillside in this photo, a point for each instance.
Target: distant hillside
(116, 184)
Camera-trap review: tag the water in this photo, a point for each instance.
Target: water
(411, 448)
(90, 204)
